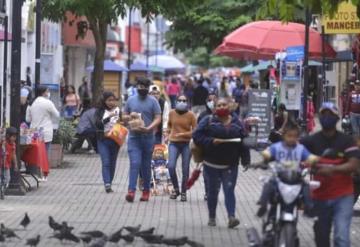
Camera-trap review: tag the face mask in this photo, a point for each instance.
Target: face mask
(223, 112)
(328, 122)
(210, 104)
(181, 106)
(48, 95)
(143, 92)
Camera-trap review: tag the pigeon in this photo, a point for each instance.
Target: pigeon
(25, 221)
(94, 234)
(132, 229)
(66, 236)
(175, 241)
(116, 236)
(33, 242)
(66, 228)
(2, 238)
(8, 232)
(99, 242)
(152, 239)
(129, 238)
(54, 225)
(86, 239)
(194, 244)
(145, 232)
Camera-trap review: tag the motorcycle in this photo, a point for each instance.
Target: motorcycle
(279, 227)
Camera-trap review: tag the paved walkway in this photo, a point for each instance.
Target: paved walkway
(76, 194)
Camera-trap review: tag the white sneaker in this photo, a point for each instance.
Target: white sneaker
(91, 152)
(43, 179)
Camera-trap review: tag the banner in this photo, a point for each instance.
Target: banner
(344, 21)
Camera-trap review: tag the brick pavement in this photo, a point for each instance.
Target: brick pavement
(76, 194)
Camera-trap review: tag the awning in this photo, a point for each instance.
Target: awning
(109, 66)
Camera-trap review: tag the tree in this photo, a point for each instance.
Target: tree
(102, 13)
(286, 9)
(206, 25)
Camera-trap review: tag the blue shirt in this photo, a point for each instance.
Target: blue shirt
(284, 154)
(148, 107)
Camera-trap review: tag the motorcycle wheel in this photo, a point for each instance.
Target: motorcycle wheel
(287, 236)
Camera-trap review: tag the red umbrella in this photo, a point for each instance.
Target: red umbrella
(263, 39)
(194, 176)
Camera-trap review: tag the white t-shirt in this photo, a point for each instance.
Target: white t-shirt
(108, 126)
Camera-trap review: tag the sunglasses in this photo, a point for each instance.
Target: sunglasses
(182, 100)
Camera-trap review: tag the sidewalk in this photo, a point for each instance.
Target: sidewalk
(76, 194)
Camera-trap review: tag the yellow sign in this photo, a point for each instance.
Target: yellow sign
(345, 20)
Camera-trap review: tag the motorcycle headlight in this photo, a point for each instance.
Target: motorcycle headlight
(289, 193)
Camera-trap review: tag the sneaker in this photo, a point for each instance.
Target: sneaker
(174, 195)
(43, 179)
(145, 196)
(261, 211)
(91, 152)
(130, 196)
(233, 222)
(183, 197)
(108, 189)
(212, 222)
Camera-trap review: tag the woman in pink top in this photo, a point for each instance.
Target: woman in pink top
(72, 102)
(173, 90)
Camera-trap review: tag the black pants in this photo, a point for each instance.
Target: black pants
(90, 138)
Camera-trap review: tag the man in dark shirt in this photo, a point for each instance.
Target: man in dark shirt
(199, 98)
(334, 198)
(353, 108)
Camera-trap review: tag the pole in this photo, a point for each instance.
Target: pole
(306, 68)
(323, 62)
(157, 48)
(4, 90)
(129, 45)
(147, 45)
(38, 44)
(16, 184)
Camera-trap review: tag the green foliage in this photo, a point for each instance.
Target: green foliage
(65, 133)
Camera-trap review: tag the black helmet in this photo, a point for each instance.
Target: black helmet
(11, 131)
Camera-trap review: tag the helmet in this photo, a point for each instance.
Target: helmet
(346, 124)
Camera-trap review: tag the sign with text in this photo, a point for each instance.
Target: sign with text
(345, 20)
(260, 106)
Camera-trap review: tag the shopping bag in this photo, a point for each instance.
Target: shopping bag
(117, 133)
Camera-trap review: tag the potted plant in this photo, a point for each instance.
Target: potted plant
(63, 137)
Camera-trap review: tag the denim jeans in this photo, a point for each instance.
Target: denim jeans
(355, 123)
(175, 149)
(140, 150)
(108, 150)
(173, 101)
(339, 212)
(226, 177)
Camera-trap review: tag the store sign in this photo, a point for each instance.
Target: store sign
(344, 21)
(260, 106)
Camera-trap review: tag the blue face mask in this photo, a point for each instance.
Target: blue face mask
(328, 122)
(181, 106)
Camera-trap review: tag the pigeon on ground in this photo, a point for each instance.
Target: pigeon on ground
(94, 234)
(132, 229)
(66, 236)
(86, 239)
(145, 232)
(99, 242)
(65, 227)
(7, 232)
(25, 221)
(54, 225)
(129, 238)
(152, 239)
(33, 242)
(2, 238)
(175, 241)
(194, 244)
(116, 236)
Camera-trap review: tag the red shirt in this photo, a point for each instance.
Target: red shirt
(354, 102)
(10, 152)
(334, 186)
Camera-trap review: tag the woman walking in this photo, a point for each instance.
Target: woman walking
(221, 152)
(72, 102)
(106, 116)
(181, 124)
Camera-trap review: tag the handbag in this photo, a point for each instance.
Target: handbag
(117, 133)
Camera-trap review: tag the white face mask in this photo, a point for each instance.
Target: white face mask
(211, 105)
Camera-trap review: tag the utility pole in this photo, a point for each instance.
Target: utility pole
(16, 184)
(306, 68)
(129, 47)
(37, 44)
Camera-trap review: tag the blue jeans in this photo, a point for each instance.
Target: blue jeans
(339, 212)
(226, 177)
(355, 123)
(140, 149)
(175, 149)
(108, 150)
(173, 101)
(69, 111)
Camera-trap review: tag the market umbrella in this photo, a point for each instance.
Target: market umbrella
(109, 66)
(263, 39)
(167, 62)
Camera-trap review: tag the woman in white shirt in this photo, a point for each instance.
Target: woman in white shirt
(42, 113)
(106, 116)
